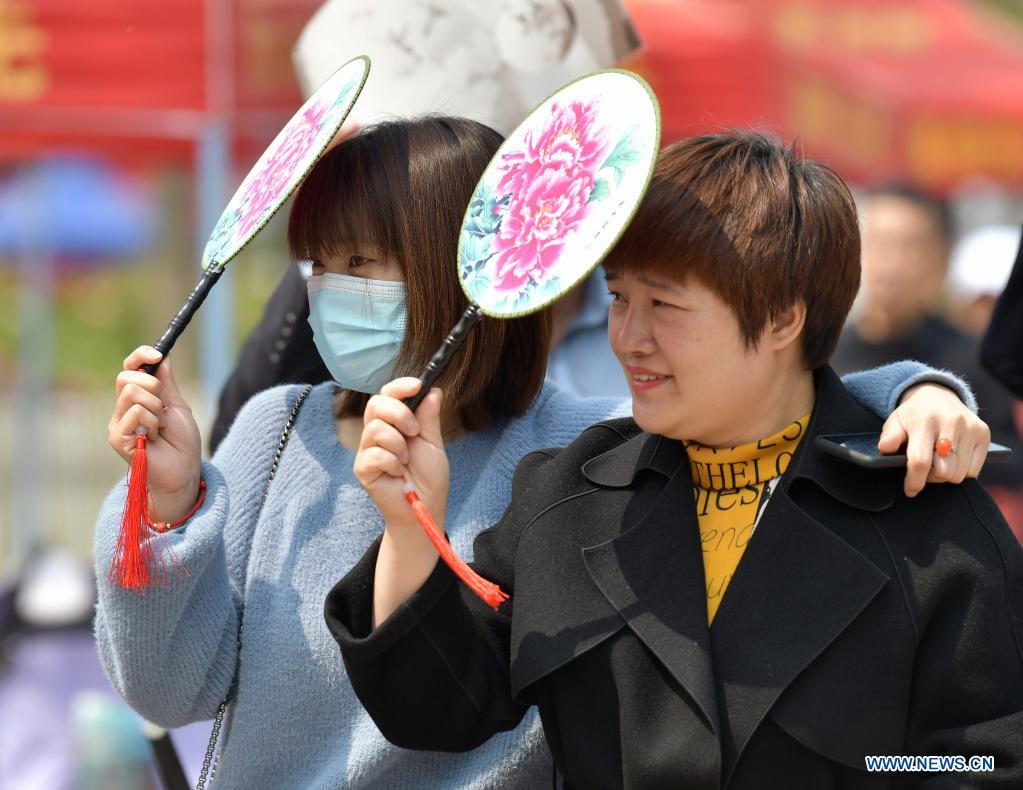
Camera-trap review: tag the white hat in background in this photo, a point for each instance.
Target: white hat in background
(56, 589)
(492, 62)
(982, 261)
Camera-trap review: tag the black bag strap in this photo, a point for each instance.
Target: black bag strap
(218, 720)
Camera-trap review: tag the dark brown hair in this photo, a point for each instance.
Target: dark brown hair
(758, 224)
(403, 187)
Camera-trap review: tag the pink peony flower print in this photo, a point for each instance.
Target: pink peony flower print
(265, 187)
(536, 224)
(572, 141)
(548, 184)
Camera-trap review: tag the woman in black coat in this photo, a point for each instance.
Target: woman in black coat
(701, 598)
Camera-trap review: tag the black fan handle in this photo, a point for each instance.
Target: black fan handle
(184, 315)
(472, 316)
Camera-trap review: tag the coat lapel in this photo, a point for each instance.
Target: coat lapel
(797, 588)
(652, 574)
(798, 585)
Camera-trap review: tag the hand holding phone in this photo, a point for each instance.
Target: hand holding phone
(861, 449)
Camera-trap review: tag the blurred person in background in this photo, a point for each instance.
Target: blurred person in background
(907, 238)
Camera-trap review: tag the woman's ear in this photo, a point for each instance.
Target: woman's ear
(787, 326)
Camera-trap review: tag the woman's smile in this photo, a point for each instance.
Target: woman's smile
(642, 379)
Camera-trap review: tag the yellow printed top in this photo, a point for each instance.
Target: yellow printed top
(729, 488)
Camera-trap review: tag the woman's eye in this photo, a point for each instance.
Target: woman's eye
(355, 261)
(615, 296)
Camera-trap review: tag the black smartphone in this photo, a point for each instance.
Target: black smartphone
(861, 449)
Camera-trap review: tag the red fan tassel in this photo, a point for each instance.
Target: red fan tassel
(490, 593)
(137, 562)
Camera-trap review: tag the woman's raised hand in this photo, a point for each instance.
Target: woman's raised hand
(174, 445)
(396, 442)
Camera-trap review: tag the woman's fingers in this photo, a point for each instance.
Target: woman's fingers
(139, 379)
(143, 355)
(161, 382)
(135, 393)
(428, 416)
(893, 436)
(122, 432)
(373, 462)
(919, 456)
(945, 468)
(977, 458)
(381, 434)
(404, 387)
(388, 408)
(929, 413)
(170, 393)
(969, 438)
(963, 445)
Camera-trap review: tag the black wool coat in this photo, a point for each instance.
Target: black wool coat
(859, 622)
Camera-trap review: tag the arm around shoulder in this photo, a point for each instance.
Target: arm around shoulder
(881, 388)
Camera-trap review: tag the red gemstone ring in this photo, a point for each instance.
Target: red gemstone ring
(944, 448)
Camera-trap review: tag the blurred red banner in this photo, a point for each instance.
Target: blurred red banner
(140, 79)
(925, 90)
(928, 90)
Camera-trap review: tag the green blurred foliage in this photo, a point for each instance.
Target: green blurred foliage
(1014, 7)
(102, 313)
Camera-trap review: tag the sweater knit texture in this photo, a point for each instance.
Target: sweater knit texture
(296, 721)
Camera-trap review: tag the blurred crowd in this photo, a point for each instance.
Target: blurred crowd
(928, 293)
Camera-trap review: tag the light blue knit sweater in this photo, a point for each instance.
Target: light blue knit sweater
(297, 723)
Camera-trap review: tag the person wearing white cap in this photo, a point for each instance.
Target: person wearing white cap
(978, 272)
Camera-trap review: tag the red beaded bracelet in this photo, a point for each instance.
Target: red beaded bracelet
(163, 526)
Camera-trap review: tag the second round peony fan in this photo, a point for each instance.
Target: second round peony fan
(552, 203)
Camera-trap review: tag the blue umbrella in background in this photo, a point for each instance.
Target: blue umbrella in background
(59, 215)
(84, 213)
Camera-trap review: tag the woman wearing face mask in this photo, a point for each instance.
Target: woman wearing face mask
(379, 217)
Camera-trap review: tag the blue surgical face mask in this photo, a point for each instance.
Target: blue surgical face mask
(358, 327)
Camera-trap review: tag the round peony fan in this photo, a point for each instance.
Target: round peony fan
(138, 563)
(552, 203)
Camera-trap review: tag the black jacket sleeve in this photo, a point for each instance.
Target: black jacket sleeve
(435, 675)
(1002, 349)
(279, 350)
(967, 696)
